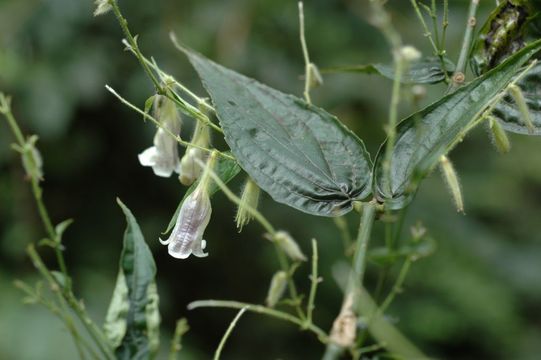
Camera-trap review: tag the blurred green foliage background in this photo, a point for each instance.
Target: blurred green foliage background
(477, 297)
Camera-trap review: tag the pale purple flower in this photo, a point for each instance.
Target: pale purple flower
(193, 218)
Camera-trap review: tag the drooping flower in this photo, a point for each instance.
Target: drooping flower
(193, 218)
(163, 156)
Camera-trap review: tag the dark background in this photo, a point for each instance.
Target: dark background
(477, 297)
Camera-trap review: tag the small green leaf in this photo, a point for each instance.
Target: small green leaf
(148, 104)
(425, 71)
(139, 271)
(298, 153)
(424, 137)
(61, 228)
(225, 168)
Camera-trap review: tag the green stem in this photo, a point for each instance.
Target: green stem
(459, 77)
(5, 107)
(307, 72)
(95, 333)
(261, 310)
(159, 125)
(133, 43)
(354, 284)
(393, 119)
(314, 280)
(228, 332)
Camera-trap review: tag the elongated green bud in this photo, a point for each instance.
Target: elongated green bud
(248, 201)
(499, 136)
(451, 178)
(289, 245)
(517, 95)
(276, 289)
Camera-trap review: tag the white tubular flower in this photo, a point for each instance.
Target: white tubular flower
(193, 218)
(163, 156)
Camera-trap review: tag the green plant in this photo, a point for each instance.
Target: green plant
(303, 157)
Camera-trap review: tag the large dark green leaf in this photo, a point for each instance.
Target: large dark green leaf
(225, 168)
(427, 135)
(133, 316)
(298, 153)
(425, 71)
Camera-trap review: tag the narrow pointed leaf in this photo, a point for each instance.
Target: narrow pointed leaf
(298, 153)
(425, 71)
(139, 270)
(424, 136)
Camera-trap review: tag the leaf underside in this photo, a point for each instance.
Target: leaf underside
(424, 137)
(298, 153)
(139, 271)
(425, 71)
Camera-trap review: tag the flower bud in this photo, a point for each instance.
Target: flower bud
(163, 156)
(289, 245)
(499, 137)
(189, 164)
(409, 53)
(520, 101)
(276, 289)
(451, 178)
(248, 200)
(31, 158)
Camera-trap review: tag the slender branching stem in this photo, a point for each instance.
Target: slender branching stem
(307, 65)
(163, 76)
(355, 280)
(459, 75)
(158, 124)
(95, 333)
(181, 328)
(314, 281)
(133, 43)
(5, 109)
(397, 287)
(261, 310)
(282, 259)
(227, 333)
